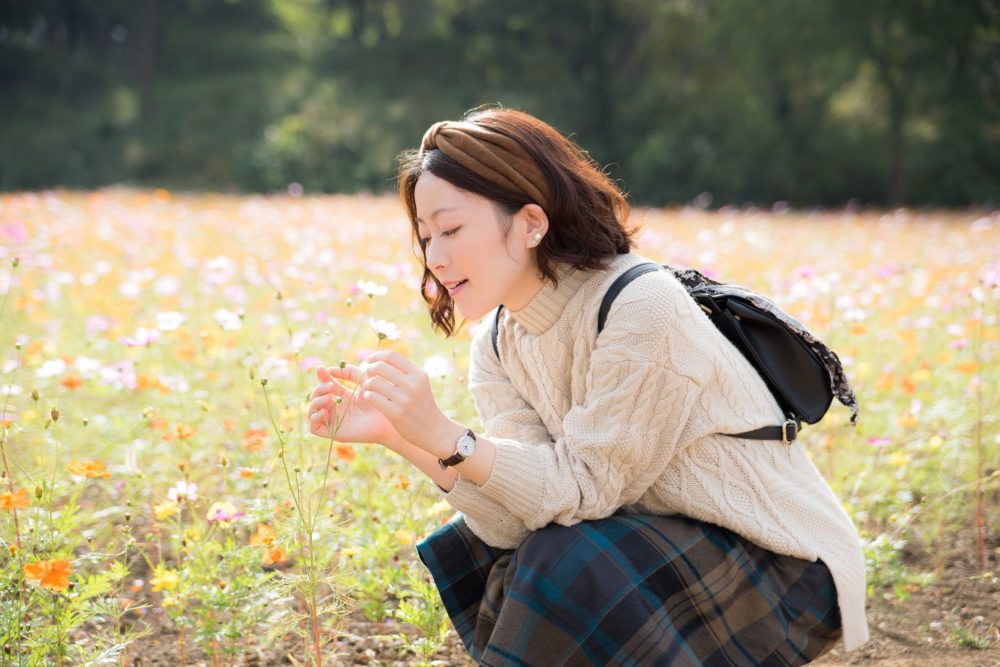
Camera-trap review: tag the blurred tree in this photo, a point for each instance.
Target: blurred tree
(933, 60)
(748, 100)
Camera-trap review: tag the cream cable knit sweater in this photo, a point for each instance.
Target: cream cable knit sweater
(631, 421)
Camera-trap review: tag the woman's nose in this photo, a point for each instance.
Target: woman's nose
(436, 257)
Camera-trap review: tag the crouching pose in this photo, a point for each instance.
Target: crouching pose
(605, 516)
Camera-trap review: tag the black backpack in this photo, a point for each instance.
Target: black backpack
(801, 372)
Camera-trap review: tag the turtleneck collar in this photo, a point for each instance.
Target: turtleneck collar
(548, 304)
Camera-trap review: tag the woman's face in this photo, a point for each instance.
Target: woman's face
(463, 241)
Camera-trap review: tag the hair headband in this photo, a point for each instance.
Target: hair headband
(496, 157)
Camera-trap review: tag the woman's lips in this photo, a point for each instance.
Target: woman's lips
(452, 291)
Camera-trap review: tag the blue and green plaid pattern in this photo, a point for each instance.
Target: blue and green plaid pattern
(632, 590)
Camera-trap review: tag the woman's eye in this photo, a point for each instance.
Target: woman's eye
(425, 241)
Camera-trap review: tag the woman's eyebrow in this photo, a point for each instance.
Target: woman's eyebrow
(440, 210)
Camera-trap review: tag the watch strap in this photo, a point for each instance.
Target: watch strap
(457, 457)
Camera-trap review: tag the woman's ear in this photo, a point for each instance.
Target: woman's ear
(536, 224)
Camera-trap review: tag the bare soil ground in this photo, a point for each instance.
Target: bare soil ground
(954, 622)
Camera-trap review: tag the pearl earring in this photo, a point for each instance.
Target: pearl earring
(537, 239)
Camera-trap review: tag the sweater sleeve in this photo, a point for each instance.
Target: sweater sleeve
(506, 415)
(646, 373)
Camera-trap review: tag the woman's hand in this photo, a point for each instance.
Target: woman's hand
(401, 391)
(359, 420)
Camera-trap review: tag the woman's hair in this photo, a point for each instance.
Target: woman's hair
(586, 210)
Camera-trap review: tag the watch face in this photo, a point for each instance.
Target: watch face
(466, 445)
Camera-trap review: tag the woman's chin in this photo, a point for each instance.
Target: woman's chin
(473, 312)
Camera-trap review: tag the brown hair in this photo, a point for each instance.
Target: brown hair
(586, 210)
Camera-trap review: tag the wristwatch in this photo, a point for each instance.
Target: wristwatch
(465, 447)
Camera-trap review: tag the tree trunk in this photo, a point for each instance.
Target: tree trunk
(148, 28)
(896, 180)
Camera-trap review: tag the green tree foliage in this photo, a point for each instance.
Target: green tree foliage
(747, 100)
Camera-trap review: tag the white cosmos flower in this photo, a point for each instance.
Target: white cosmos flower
(170, 320)
(372, 289)
(437, 366)
(183, 490)
(166, 285)
(228, 320)
(87, 366)
(384, 329)
(51, 368)
(143, 337)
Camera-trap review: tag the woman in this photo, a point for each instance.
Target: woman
(604, 518)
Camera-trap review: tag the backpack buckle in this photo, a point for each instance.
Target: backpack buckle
(789, 431)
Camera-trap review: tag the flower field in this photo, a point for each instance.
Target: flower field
(157, 352)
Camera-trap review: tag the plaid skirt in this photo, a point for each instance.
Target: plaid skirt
(632, 590)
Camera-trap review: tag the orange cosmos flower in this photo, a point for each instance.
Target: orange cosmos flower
(345, 453)
(281, 508)
(264, 536)
(72, 381)
(255, 440)
(274, 555)
(185, 431)
(228, 425)
(52, 574)
(14, 500)
(92, 469)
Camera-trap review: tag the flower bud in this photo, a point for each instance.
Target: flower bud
(54, 414)
(34, 395)
(14, 262)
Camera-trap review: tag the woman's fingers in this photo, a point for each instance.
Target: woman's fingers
(394, 359)
(384, 370)
(319, 424)
(320, 402)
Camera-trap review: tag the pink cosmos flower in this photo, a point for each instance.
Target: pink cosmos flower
(222, 512)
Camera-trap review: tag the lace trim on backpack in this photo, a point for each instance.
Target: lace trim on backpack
(694, 281)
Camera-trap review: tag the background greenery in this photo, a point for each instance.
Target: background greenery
(811, 103)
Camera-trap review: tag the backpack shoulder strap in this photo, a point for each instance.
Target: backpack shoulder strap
(494, 332)
(617, 286)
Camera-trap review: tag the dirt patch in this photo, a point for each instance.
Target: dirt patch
(954, 623)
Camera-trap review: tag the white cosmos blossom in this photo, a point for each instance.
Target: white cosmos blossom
(166, 285)
(372, 289)
(437, 366)
(87, 366)
(384, 329)
(170, 320)
(228, 320)
(130, 289)
(51, 368)
(218, 271)
(143, 337)
(183, 491)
